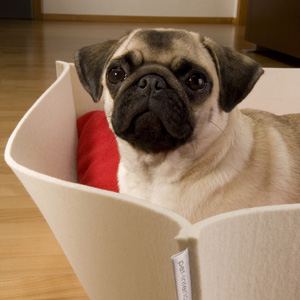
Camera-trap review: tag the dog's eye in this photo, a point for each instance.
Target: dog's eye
(196, 82)
(116, 75)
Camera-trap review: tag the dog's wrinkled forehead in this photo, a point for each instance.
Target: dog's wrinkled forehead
(157, 44)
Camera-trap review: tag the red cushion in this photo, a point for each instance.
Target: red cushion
(97, 154)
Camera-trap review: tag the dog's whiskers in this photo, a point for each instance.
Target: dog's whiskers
(111, 142)
(224, 134)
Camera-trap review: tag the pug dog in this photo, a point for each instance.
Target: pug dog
(171, 97)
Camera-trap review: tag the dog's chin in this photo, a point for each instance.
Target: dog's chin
(147, 133)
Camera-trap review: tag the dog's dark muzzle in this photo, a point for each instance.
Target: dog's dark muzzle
(151, 115)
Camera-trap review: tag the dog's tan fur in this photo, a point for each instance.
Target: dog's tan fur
(235, 159)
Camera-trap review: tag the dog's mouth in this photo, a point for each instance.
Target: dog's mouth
(146, 128)
(152, 116)
(148, 133)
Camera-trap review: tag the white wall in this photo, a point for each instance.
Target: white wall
(165, 8)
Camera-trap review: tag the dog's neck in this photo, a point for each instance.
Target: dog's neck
(208, 150)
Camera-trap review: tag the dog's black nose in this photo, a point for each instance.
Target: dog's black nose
(152, 82)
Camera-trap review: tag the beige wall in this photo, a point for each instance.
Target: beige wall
(165, 8)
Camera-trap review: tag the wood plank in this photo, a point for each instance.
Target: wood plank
(138, 19)
(12, 189)
(42, 287)
(30, 230)
(29, 247)
(39, 265)
(20, 215)
(14, 202)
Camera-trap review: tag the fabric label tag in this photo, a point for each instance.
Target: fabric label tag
(182, 276)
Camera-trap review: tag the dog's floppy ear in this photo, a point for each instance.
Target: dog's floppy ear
(90, 62)
(237, 73)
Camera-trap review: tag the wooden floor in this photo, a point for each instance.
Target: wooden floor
(32, 265)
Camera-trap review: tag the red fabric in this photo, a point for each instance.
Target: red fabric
(97, 153)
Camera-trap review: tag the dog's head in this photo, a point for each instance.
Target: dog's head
(156, 84)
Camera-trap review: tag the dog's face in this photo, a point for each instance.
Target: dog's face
(160, 85)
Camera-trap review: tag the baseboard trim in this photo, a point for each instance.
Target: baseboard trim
(138, 19)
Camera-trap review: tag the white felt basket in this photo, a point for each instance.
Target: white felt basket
(119, 246)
